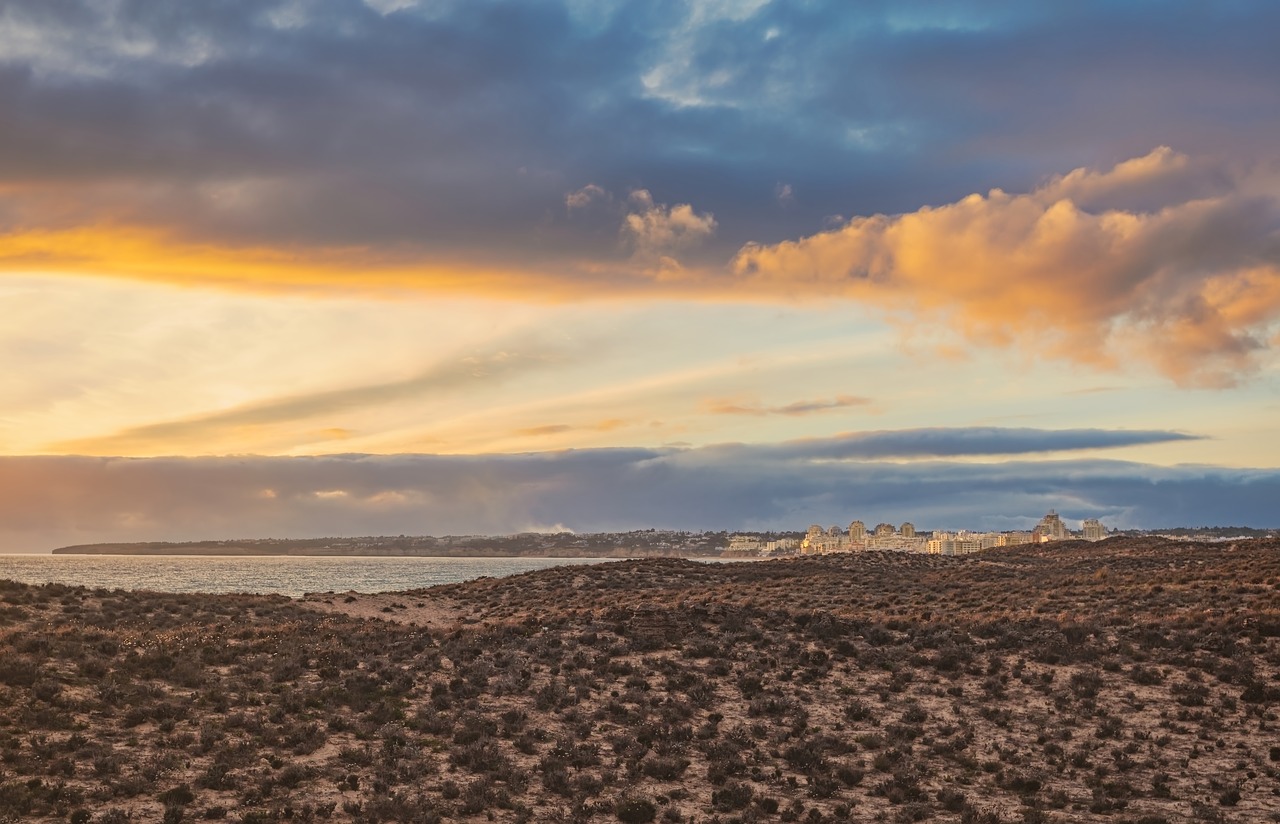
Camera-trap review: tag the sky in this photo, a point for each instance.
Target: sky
(291, 268)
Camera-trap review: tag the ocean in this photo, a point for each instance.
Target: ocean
(291, 576)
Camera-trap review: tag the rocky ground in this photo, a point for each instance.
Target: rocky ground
(1128, 681)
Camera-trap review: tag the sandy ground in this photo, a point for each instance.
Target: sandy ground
(408, 608)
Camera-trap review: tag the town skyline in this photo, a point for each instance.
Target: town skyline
(661, 542)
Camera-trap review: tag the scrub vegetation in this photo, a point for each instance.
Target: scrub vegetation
(1134, 680)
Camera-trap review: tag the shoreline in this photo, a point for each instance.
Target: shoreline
(1131, 680)
(1124, 681)
(618, 554)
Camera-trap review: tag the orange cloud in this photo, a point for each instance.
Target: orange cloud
(1160, 259)
(560, 428)
(147, 254)
(728, 407)
(548, 429)
(270, 417)
(1163, 260)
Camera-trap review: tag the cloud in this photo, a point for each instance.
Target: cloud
(545, 430)
(653, 233)
(954, 442)
(385, 7)
(442, 105)
(585, 197)
(196, 432)
(796, 408)
(655, 229)
(1160, 259)
(424, 131)
(341, 145)
(61, 500)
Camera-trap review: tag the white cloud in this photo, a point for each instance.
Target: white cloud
(655, 229)
(585, 197)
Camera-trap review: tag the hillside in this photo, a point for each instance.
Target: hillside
(1135, 680)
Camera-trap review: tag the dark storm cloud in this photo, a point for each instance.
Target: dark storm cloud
(346, 126)
(445, 126)
(58, 500)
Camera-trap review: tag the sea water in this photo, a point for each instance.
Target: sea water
(285, 575)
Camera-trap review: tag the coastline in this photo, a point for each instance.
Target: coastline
(1079, 682)
(461, 552)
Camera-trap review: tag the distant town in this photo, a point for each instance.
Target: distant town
(905, 538)
(647, 543)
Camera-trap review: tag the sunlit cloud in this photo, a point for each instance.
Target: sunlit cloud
(1162, 259)
(144, 254)
(795, 408)
(656, 229)
(1159, 259)
(195, 433)
(608, 425)
(211, 153)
